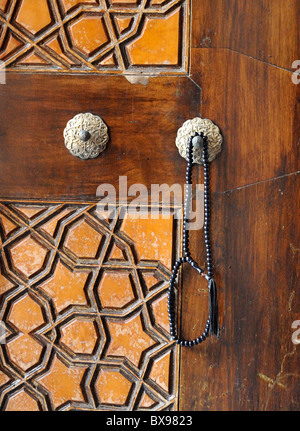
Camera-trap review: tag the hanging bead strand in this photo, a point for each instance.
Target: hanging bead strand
(185, 245)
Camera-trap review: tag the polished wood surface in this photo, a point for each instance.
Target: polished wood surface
(241, 57)
(142, 119)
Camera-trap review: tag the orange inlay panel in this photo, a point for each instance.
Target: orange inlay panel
(160, 372)
(146, 401)
(112, 387)
(70, 4)
(3, 5)
(30, 211)
(66, 287)
(5, 284)
(150, 280)
(116, 253)
(130, 2)
(160, 307)
(28, 255)
(89, 34)
(3, 378)
(56, 46)
(155, 237)
(129, 339)
(22, 401)
(123, 23)
(84, 333)
(83, 240)
(79, 336)
(118, 36)
(158, 43)
(51, 225)
(26, 314)
(34, 15)
(110, 60)
(7, 224)
(115, 289)
(157, 2)
(33, 59)
(24, 351)
(12, 45)
(63, 382)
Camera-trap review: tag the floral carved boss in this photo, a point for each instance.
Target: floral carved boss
(119, 36)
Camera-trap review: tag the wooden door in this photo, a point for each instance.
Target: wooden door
(84, 322)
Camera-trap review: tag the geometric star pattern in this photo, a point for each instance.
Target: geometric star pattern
(85, 327)
(99, 36)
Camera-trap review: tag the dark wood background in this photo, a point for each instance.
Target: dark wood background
(242, 54)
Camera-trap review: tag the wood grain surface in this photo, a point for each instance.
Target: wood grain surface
(241, 56)
(266, 30)
(143, 121)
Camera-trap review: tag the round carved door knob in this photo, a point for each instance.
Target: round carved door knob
(199, 125)
(86, 136)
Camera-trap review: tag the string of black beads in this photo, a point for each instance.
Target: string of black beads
(185, 242)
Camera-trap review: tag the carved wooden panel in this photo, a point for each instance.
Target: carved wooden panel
(83, 302)
(119, 36)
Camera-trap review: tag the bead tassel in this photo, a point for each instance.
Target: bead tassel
(212, 324)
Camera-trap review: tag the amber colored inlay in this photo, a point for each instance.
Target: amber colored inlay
(7, 224)
(33, 59)
(62, 32)
(101, 213)
(115, 289)
(158, 43)
(146, 401)
(84, 331)
(12, 45)
(160, 307)
(34, 15)
(112, 387)
(51, 225)
(63, 382)
(116, 253)
(129, 339)
(5, 284)
(25, 351)
(26, 314)
(123, 23)
(69, 4)
(153, 237)
(3, 5)
(110, 60)
(157, 2)
(124, 2)
(3, 378)
(28, 255)
(30, 212)
(21, 401)
(160, 372)
(66, 287)
(83, 240)
(150, 280)
(55, 45)
(79, 336)
(89, 33)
